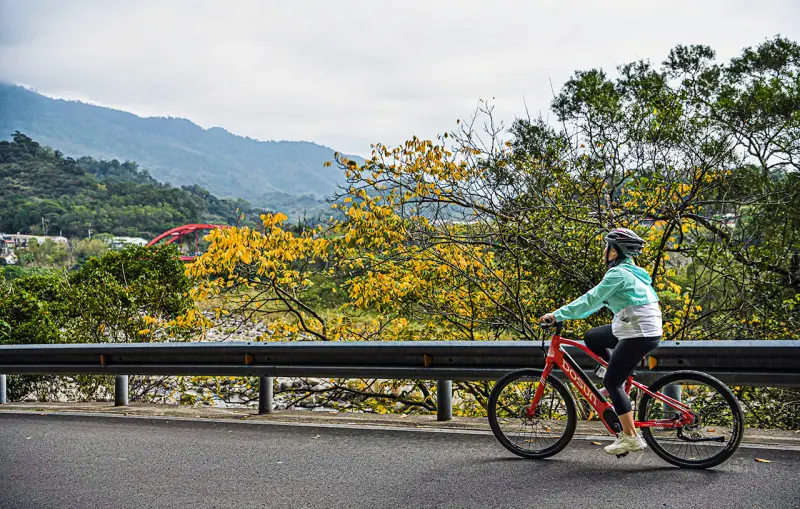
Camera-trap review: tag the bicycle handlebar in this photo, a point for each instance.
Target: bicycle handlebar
(557, 325)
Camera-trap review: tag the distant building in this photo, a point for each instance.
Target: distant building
(6, 245)
(123, 242)
(22, 241)
(7, 256)
(10, 242)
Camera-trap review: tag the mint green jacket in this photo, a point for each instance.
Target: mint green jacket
(622, 286)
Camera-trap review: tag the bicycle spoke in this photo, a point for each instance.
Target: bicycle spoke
(530, 434)
(715, 431)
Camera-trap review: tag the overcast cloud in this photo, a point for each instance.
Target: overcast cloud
(350, 73)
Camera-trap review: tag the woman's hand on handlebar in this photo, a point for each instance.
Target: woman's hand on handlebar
(547, 319)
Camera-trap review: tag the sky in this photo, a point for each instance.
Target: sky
(349, 73)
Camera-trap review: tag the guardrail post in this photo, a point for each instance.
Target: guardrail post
(674, 392)
(265, 394)
(2, 389)
(444, 400)
(121, 390)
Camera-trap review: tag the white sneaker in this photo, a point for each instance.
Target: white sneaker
(625, 444)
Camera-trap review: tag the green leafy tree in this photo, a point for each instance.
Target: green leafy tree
(134, 295)
(83, 249)
(127, 295)
(35, 308)
(47, 254)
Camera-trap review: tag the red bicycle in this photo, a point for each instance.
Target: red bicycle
(699, 426)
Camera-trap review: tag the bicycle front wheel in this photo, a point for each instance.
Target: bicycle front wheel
(718, 424)
(542, 434)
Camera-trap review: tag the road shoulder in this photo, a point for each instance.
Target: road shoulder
(586, 430)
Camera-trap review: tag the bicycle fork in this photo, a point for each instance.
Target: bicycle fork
(537, 396)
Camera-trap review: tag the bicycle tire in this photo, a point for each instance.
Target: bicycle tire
(560, 388)
(737, 426)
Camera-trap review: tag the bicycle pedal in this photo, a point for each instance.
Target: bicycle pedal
(622, 455)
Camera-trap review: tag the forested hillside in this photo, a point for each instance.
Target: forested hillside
(44, 190)
(272, 174)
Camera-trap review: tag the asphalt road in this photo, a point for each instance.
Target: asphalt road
(87, 462)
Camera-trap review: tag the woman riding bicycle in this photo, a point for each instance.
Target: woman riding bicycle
(635, 331)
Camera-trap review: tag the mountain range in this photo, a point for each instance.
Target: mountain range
(279, 175)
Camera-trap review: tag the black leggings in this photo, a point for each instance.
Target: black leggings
(622, 356)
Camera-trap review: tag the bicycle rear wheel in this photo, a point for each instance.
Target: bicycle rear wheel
(714, 435)
(539, 436)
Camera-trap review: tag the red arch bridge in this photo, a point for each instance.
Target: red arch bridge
(182, 234)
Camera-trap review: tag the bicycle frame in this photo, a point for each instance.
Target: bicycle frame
(557, 356)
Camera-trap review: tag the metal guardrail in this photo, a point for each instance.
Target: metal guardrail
(762, 363)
